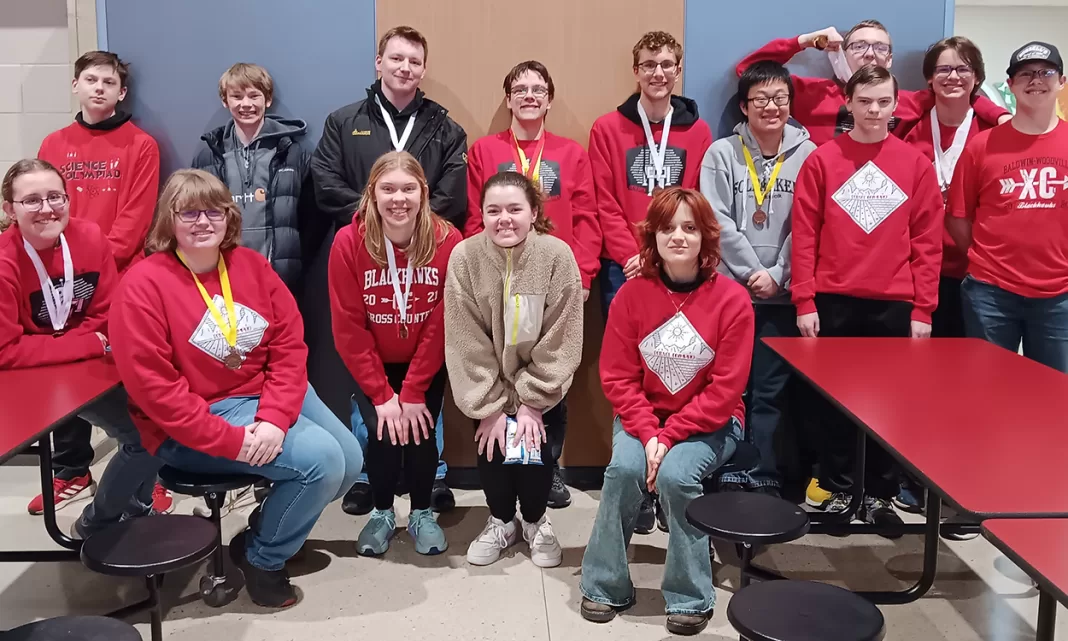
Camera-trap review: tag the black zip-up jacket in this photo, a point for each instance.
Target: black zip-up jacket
(355, 136)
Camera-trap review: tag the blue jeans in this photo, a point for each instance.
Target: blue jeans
(687, 584)
(125, 489)
(767, 383)
(612, 279)
(1005, 319)
(359, 428)
(320, 461)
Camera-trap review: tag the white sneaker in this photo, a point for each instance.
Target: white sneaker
(545, 550)
(496, 537)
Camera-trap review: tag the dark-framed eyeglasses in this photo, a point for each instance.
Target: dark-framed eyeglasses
(34, 204)
(649, 66)
(780, 100)
(944, 71)
(861, 47)
(193, 215)
(1036, 74)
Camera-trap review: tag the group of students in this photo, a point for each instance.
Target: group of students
(824, 215)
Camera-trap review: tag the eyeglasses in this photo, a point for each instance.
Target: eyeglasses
(780, 100)
(193, 215)
(34, 204)
(649, 66)
(861, 47)
(944, 71)
(1036, 74)
(537, 91)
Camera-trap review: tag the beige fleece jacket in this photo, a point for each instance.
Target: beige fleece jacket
(513, 324)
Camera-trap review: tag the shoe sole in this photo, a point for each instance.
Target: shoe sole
(483, 561)
(597, 616)
(357, 511)
(429, 551)
(905, 507)
(686, 630)
(819, 505)
(558, 506)
(547, 561)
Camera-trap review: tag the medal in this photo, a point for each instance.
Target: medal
(398, 143)
(523, 165)
(945, 162)
(228, 327)
(656, 176)
(57, 300)
(400, 299)
(759, 194)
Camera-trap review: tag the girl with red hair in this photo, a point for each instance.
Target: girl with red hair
(674, 363)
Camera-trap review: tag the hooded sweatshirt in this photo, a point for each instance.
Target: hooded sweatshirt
(265, 178)
(820, 103)
(112, 174)
(513, 324)
(620, 157)
(746, 247)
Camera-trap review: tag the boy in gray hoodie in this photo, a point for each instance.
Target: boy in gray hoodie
(749, 180)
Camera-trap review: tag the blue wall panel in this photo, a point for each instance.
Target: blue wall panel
(321, 55)
(719, 34)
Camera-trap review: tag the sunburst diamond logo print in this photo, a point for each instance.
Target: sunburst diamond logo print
(676, 353)
(869, 197)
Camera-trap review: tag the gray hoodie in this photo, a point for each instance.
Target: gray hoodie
(747, 247)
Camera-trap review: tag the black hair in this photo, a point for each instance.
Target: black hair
(530, 190)
(761, 73)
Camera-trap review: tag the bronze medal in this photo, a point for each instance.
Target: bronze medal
(234, 359)
(759, 217)
(403, 331)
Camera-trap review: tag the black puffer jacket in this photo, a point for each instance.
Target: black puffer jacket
(266, 179)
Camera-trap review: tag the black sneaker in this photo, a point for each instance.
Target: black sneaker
(266, 588)
(731, 487)
(646, 516)
(559, 495)
(441, 497)
(879, 512)
(661, 516)
(358, 500)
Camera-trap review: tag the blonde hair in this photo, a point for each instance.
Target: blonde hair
(188, 189)
(429, 227)
(243, 75)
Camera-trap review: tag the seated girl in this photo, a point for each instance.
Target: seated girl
(513, 340)
(387, 275)
(210, 346)
(674, 364)
(57, 278)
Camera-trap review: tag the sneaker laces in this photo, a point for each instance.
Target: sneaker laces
(386, 518)
(840, 502)
(420, 519)
(872, 504)
(558, 483)
(495, 533)
(543, 532)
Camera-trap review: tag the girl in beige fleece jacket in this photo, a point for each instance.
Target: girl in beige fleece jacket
(513, 340)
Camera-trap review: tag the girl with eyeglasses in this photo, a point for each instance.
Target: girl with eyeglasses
(210, 346)
(57, 281)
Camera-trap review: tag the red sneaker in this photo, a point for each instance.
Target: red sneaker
(65, 491)
(162, 500)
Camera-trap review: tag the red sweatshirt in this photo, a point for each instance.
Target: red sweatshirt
(819, 103)
(867, 223)
(26, 335)
(954, 261)
(366, 319)
(566, 180)
(663, 380)
(112, 178)
(1014, 189)
(619, 157)
(170, 352)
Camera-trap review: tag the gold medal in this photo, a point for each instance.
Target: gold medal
(403, 331)
(759, 217)
(234, 359)
(227, 326)
(820, 42)
(759, 194)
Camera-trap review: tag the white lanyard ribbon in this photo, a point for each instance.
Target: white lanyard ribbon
(946, 161)
(57, 301)
(400, 299)
(398, 143)
(657, 173)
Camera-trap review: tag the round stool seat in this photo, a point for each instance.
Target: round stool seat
(195, 484)
(747, 517)
(150, 545)
(803, 611)
(73, 629)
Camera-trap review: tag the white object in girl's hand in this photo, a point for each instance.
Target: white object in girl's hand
(518, 454)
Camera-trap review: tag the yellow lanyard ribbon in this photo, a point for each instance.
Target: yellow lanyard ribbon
(228, 329)
(508, 296)
(758, 193)
(524, 163)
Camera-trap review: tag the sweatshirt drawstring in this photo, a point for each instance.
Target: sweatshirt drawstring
(745, 199)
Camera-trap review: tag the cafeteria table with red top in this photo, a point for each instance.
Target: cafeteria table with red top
(1037, 546)
(33, 402)
(960, 414)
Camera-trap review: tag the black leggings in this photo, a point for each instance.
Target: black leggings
(529, 484)
(385, 460)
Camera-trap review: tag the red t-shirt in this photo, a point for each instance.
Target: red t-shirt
(867, 222)
(954, 260)
(567, 184)
(366, 319)
(688, 376)
(1012, 186)
(26, 333)
(170, 352)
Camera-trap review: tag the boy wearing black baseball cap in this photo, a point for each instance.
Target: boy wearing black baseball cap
(1008, 205)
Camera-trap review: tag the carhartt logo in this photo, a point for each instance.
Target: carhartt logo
(361, 132)
(260, 195)
(1034, 52)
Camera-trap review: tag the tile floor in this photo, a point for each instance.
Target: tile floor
(979, 594)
